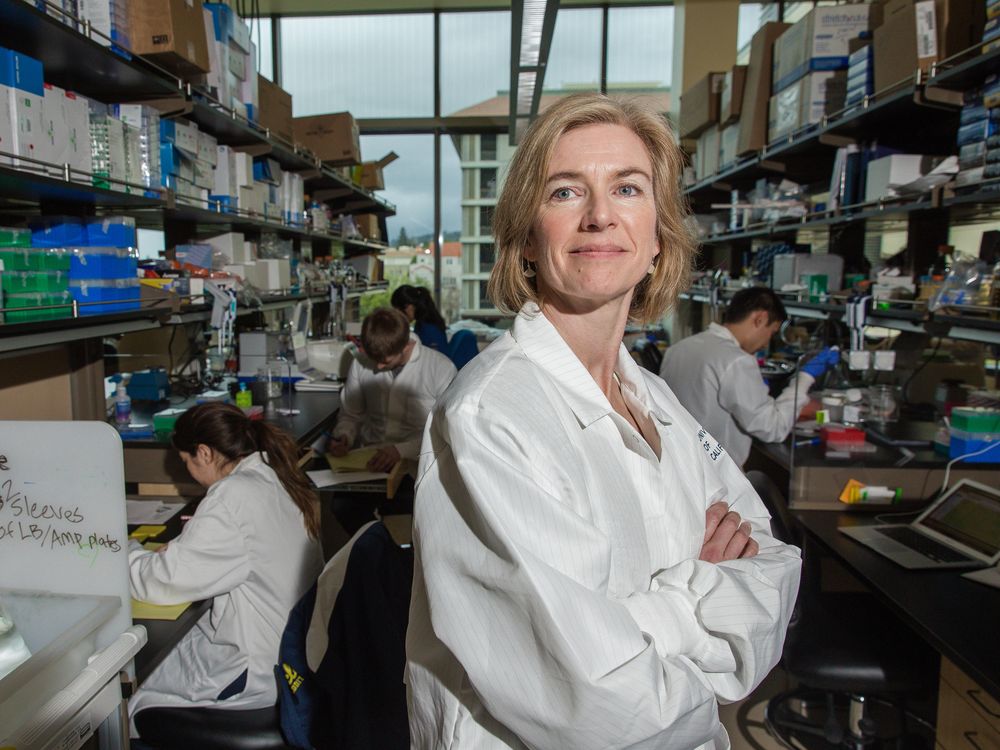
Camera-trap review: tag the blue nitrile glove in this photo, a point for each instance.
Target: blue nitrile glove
(822, 362)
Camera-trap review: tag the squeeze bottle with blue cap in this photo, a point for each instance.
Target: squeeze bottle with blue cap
(123, 406)
(243, 398)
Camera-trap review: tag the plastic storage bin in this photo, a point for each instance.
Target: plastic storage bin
(21, 282)
(103, 263)
(13, 302)
(102, 296)
(963, 443)
(13, 237)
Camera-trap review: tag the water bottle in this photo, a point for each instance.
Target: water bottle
(243, 398)
(123, 407)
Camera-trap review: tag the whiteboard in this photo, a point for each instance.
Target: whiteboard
(62, 513)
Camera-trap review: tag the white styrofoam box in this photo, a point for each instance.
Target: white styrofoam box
(251, 272)
(248, 89)
(24, 112)
(186, 136)
(804, 103)
(215, 71)
(230, 244)
(208, 148)
(859, 360)
(279, 274)
(244, 169)
(54, 143)
(116, 152)
(896, 169)
(239, 34)
(238, 60)
(885, 360)
(204, 174)
(7, 140)
(76, 111)
(819, 41)
(225, 172)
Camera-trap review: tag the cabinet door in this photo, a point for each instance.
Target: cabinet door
(984, 704)
(960, 726)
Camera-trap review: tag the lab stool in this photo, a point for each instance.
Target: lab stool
(211, 729)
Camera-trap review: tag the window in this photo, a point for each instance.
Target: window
(639, 49)
(575, 56)
(488, 147)
(484, 298)
(488, 182)
(260, 35)
(487, 257)
(374, 66)
(485, 221)
(475, 59)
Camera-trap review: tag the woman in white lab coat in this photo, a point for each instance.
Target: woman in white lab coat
(251, 546)
(592, 569)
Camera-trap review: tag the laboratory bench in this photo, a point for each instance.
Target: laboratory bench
(957, 617)
(813, 482)
(152, 465)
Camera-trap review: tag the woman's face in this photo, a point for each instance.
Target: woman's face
(595, 233)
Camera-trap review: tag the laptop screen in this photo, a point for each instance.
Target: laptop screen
(969, 515)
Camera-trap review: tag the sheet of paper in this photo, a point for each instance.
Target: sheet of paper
(146, 611)
(989, 576)
(147, 532)
(150, 511)
(356, 460)
(327, 478)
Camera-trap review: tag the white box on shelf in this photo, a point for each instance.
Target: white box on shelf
(208, 148)
(895, 169)
(244, 169)
(804, 103)
(885, 360)
(859, 360)
(230, 244)
(279, 274)
(116, 152)
(225, 172)
(76, 110)
(54, 143)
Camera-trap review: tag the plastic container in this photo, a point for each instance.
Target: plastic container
(123, 406)
(14, 302)
(14, 237)
(103, 263)
(975, 419)
(962, 443)
(243, 398)
(101, 296)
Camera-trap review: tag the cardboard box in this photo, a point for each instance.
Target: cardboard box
(707, 153)
(700, 105)
(371, 172)
(805, 102)
(904, 42)
(275, 108)
(731, 98)
(368, 226)
(896, 169)
(819, 41)
(171, 32)
(333, 138)
(757, 89)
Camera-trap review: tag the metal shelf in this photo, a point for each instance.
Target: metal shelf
(18, 186)
(72, 61)
(968, 73)
(19, 336)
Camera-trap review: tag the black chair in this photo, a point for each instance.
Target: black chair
(842, 649)
(210, 729)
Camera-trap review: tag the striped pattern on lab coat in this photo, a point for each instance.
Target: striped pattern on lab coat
(558, 601)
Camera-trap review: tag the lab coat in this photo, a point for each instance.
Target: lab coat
(380, 407)
(720, 384)
(558, 600)
(247, 548)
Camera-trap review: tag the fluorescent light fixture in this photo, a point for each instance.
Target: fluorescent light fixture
(532, 24)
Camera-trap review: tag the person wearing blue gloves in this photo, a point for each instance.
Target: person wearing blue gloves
(715, 375)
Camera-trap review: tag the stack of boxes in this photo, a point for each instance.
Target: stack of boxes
(111, 19)
(21, 94)
(991, 30)
(975, 429)
(232, 56)
(806, 62)
(141, 126)
(66, 130)
(32, 277)
(100, 258)
(978, 137)
(860, 71)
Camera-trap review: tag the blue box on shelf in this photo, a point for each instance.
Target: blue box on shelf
(18, 71)
(57, 231)
(963, 443)
(149, 385)
(112, 231)
(226, 203)
(110, 295)
(102, 263)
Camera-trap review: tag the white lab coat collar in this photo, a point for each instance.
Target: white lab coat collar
(369, 364)
(723, 333)
(544, 346)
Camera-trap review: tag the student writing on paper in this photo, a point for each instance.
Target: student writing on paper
(252, 546)
(389, 392)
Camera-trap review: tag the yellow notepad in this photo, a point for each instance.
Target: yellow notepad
(147, 611)
(147, 531)
(356, 460)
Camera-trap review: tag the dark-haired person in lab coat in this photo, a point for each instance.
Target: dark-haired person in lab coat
(389, 391)
(715, 375)
(252, 547)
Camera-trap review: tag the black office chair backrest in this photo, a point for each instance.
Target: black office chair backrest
(782, 524)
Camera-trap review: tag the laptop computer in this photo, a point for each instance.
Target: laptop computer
(313, 380)
(959, 530)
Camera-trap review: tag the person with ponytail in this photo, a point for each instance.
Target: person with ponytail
(252, 547)
(416, 303)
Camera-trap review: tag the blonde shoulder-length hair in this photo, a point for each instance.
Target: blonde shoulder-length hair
(521, 199)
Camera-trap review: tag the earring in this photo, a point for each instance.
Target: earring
(652, 268)
(528, 270)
